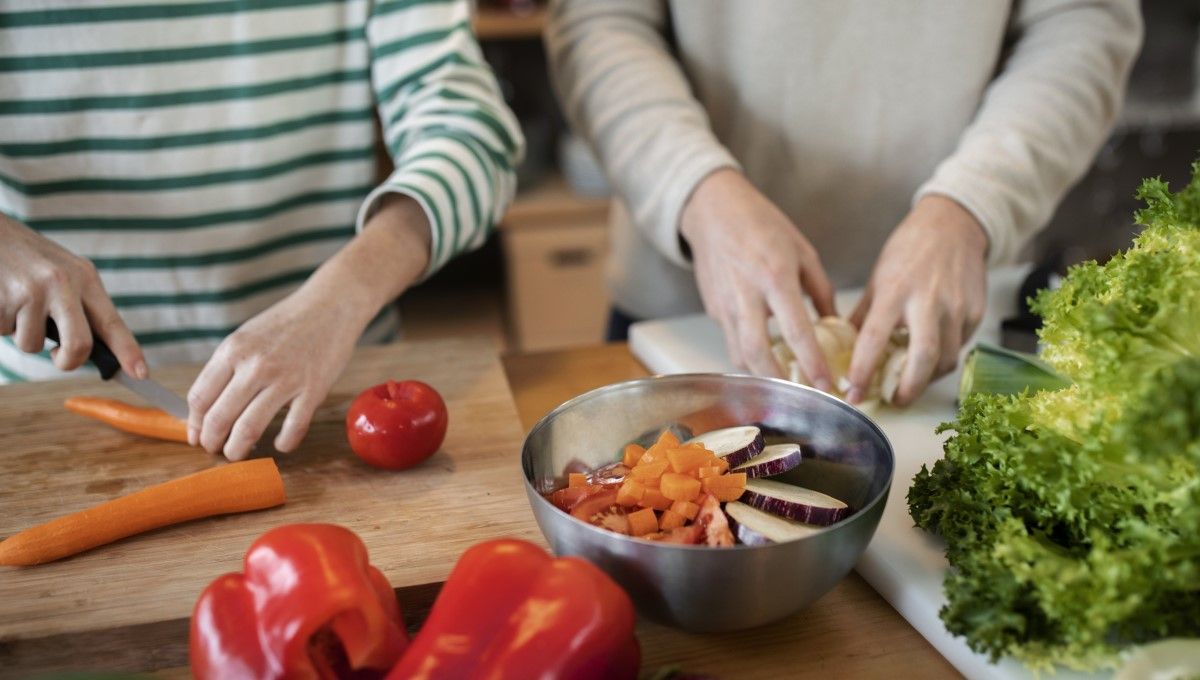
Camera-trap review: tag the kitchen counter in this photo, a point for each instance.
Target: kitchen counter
(850, 632)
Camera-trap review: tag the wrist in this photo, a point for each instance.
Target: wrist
(712, 188)
(948, 214)
(381, 262)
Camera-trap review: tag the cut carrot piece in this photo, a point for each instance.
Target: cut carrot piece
(147, 422)
(633, 453)
(642, 522)
(648, 471)
(679, 487)
(726, 487)
(667, 440)
(688, 460)
(722, 465)
(236, 487)
(687, 509)
(630, 493)
(654, 499)
(706, 472)
(576, 480)
(670, 520)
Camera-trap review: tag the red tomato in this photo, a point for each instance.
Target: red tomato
(396, 425)
(601, 508)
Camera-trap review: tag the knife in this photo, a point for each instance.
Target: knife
(109, 367)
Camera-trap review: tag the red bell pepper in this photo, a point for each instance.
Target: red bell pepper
(308, 605)
(510, 611)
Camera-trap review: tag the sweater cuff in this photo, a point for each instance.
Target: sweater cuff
(371, 205)
(664, 232)
(977, 194)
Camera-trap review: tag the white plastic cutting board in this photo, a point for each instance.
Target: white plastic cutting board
(903, 563)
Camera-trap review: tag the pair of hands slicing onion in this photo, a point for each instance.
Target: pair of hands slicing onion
(929, 279)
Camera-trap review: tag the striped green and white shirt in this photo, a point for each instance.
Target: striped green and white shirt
(208, 155)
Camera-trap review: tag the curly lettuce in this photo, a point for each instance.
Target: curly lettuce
(1072, 516)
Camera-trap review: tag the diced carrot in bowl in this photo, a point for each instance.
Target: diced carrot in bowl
(647, 471)
(687, 509)
(668, 439)
(642, 522)
(633, 453)
(630, 493)
(655, 500)
(670, 520)
(706, 472)
(679, 487)
(576, 479)
(725, 488)
(686, 460)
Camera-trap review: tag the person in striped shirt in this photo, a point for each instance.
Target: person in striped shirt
(195, 181)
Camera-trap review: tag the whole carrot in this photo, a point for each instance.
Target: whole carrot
(147, 422)
(236, 487)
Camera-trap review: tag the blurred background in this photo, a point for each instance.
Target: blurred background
(539, 282)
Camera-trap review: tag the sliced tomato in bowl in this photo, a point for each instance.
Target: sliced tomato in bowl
(715, 525)
(601, 509)
(567, 498)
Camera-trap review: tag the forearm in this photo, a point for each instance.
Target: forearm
(1043, 118)
(622, 88)
(388, 255)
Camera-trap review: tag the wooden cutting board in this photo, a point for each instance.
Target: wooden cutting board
(415, 523)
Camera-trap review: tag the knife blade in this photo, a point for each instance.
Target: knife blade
(148, 389)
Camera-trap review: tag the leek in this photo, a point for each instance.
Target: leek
(996, 370)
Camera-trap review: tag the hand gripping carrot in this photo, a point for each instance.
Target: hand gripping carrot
(147, 422)
(236, 487)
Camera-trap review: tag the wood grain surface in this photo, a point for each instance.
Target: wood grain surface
(415, 523)
(850, 633)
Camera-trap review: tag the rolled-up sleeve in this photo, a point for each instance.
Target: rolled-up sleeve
(453, 140)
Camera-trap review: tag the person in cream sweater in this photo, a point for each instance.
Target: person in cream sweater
(765, 153)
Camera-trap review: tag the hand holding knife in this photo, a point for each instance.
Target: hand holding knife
(106, 362)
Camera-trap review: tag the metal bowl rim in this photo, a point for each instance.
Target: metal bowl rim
(613, 387)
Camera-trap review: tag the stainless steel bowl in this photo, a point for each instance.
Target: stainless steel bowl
(715, 589)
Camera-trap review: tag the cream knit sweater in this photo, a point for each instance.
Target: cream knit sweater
(842, 113)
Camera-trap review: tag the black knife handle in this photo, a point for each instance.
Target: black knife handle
(101, 355)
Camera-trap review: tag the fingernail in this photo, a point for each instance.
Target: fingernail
(192, 436)
(855, 395)
(822, 384)
(140, 371)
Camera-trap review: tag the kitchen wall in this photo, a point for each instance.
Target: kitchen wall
(1158, 134)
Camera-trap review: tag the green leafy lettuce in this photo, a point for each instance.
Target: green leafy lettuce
(1072, 516)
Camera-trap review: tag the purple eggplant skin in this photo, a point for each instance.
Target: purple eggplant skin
(774, 467)
(801, 512)
(745, 535)
(740, 455)
(748, 536)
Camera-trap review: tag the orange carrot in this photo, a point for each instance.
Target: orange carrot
(679, 487)
(147, 422)
(633, 453)
(653, 499)
(687, 509)
(726, 487)
(670, 520)
(688, 459)
(630, 492)
(648, 471)
(236, 487)
(643, 522)
(576, 479)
